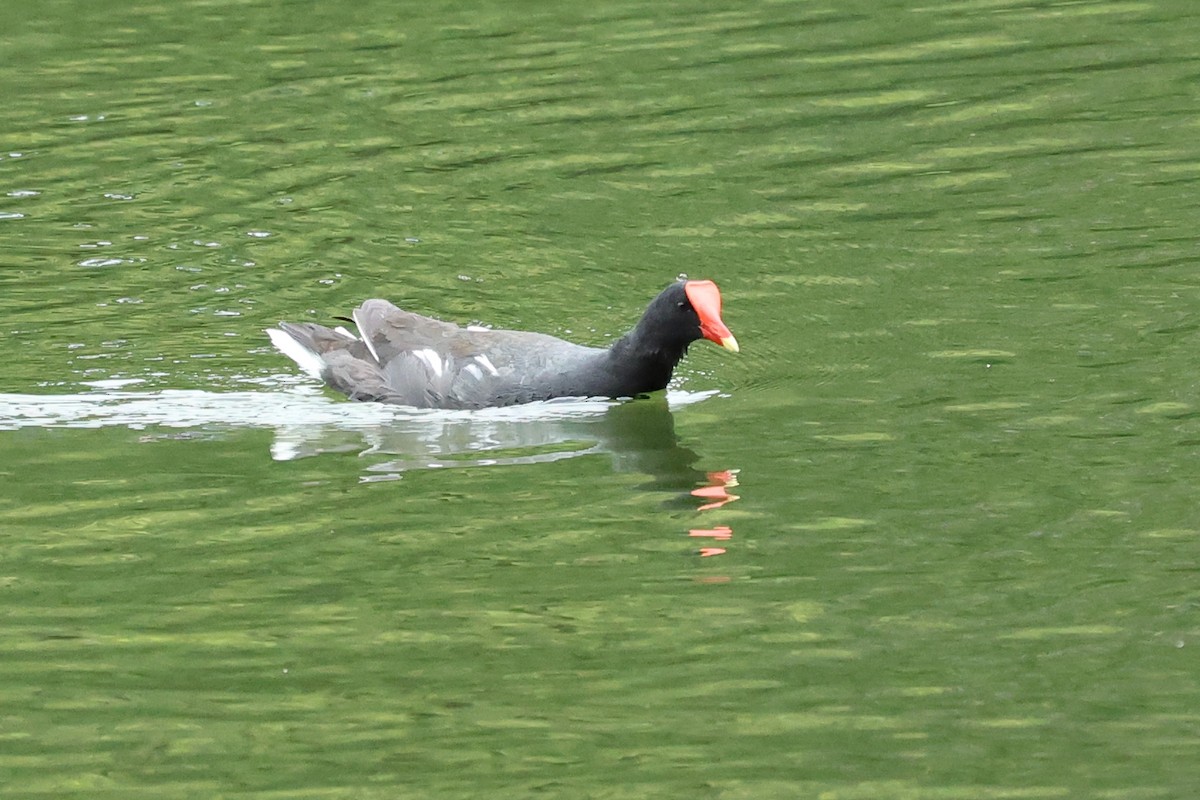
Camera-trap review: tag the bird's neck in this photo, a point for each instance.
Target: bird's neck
(651, 360)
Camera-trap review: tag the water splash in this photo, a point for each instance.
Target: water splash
(306, 422)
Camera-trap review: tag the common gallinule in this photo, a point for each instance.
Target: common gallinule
(405, 358)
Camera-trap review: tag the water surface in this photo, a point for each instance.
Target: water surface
(932, 534)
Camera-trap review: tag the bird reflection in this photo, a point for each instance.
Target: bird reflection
(716, 491)
(638, 436)
(641, 437)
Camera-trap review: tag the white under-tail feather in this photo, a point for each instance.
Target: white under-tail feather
(308, 361)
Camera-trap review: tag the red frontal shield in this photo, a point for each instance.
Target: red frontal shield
(705, 298)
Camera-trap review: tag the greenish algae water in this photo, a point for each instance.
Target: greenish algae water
(946, 494)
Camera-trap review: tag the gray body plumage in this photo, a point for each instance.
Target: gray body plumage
(409, 359)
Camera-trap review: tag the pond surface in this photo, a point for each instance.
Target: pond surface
(934, 533)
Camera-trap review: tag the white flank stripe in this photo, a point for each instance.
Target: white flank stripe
(341, 331)
(366, 339)
(431, 359)
(308, 361)
(474, 371)
(487, 364)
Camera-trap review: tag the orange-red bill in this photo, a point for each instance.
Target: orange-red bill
(705, 298)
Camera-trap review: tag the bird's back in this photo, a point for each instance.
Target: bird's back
(410, 359)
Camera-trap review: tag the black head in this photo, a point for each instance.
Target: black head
(684, 312)
(644, 359)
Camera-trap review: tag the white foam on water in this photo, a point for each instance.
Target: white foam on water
(306, 421)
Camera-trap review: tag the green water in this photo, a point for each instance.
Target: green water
(950, 544)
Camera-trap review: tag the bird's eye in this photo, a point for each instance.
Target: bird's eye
(680, 304)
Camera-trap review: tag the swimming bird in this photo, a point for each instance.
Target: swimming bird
(401, 357)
